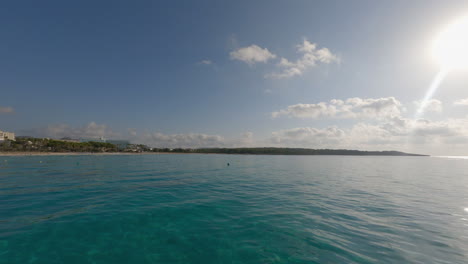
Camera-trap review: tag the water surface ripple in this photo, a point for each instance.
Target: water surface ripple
(261, 209)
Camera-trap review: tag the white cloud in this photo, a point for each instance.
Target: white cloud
(91, 130)
(432, 105)
(421, 131)
(193, 140)
(190, 140)
(252, 54)
(350, 108)
(6, 110)
(308, 136)
(311, 56)
(205, 62)
(155, 139)
(396, 133)
(461, 102)
(307, 111)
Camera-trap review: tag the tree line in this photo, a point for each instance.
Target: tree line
(51, 145)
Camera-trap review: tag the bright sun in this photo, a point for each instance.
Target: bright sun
(451, 46)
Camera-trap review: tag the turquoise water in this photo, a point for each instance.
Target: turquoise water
(261, 209)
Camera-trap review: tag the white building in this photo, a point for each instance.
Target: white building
(7, 135)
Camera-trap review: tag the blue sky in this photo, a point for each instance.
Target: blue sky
(210, 73)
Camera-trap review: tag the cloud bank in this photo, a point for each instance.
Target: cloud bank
(377, 124)
(193, 140)
(190, 140)
(92, 130)
(380, 126)
(397, 133)
(350, 108)
(432, 105)
(462, 102)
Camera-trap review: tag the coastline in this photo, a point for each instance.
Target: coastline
(80, 153)
(26, 154)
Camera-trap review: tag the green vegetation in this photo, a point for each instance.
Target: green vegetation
(301, 151)
(286, 151)
(51, 145)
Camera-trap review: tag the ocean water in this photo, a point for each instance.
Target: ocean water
(260, 209)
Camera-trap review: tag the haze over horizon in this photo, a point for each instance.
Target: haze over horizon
(313, 74)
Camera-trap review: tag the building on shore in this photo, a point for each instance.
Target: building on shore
(7, 136)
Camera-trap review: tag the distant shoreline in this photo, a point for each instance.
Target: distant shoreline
(52, 147)
(81, 153)
(22, 154)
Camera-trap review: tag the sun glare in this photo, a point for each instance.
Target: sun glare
(451, 46)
